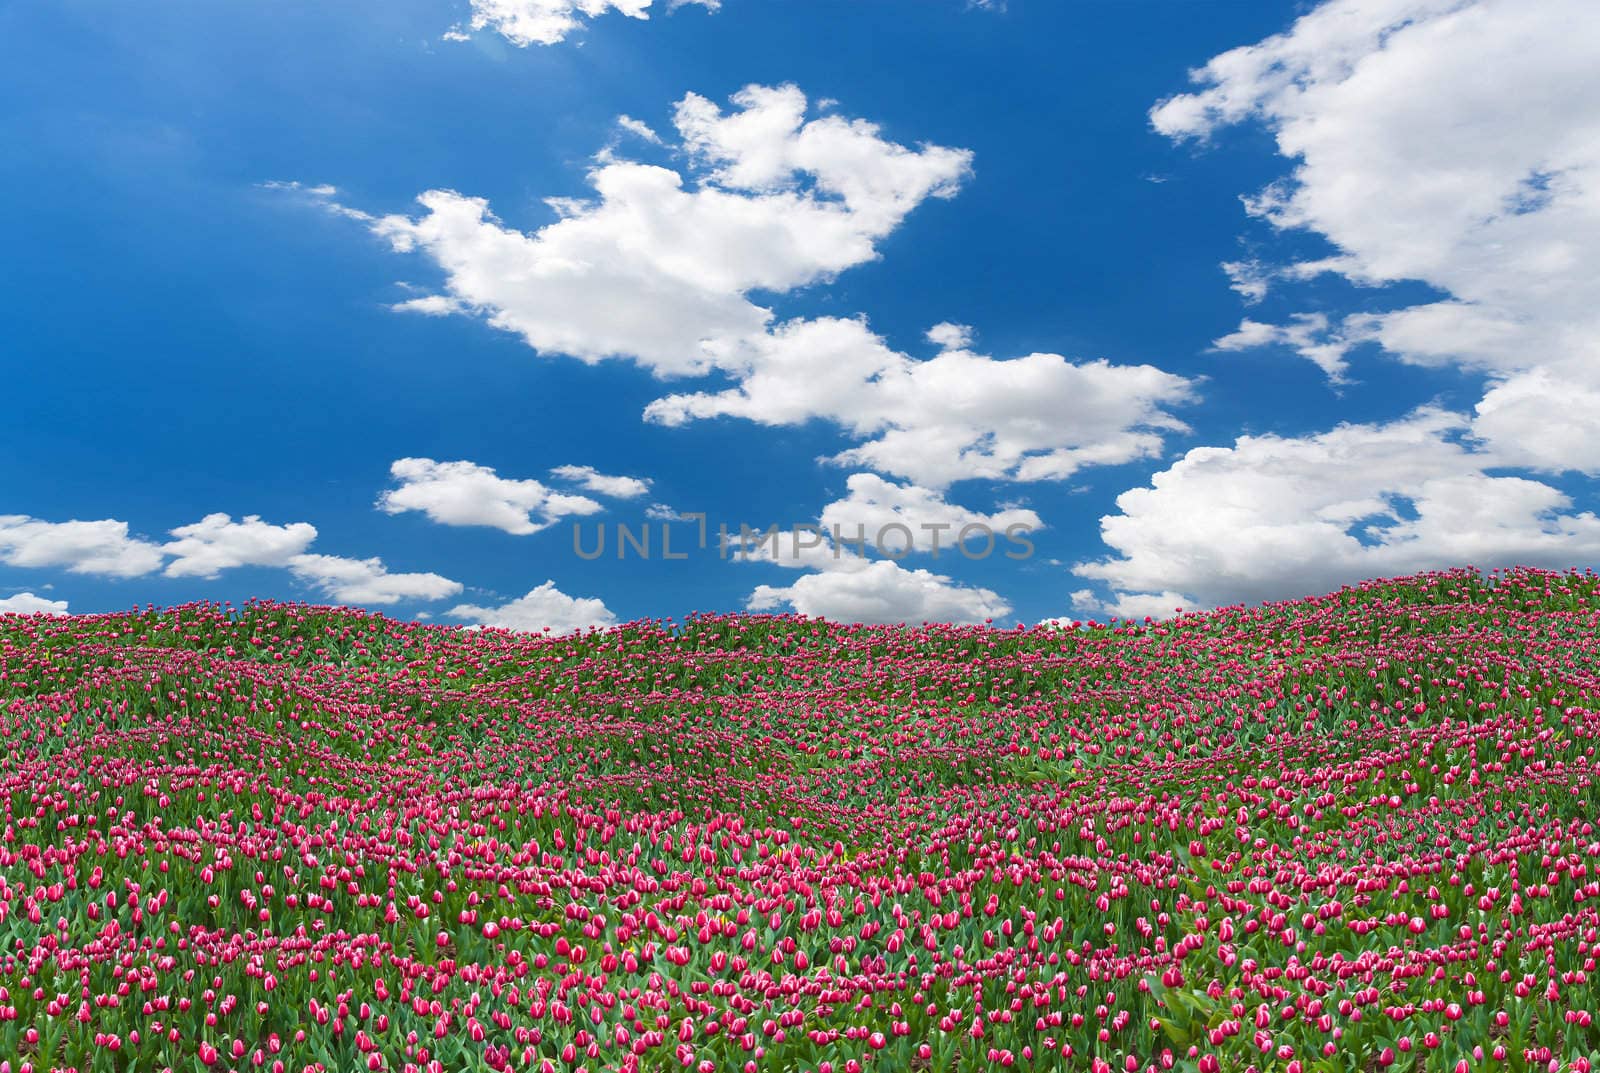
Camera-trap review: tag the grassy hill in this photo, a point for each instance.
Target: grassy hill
(1343, 833)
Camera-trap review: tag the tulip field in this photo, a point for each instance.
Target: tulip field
(1350, 833)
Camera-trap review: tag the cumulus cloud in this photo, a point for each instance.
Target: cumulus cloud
(918, 519)
(465, 493)
(98, 547)
(1273, 516)
(1156, 605)
(950, 336)
(1456, 142)
(1542, 420)
(956, 416)
(880, 519)
(881, 592)
(660, 270)
(1386, 107)
(549, 22)
(204, 549)
(858, 577)
(26, 603)
(368, 581)
(769, 147)
(216, 543)
(657, 269)
(592, 480)
(544, 607)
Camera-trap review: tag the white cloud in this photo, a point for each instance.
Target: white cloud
(217, 543)
(465, 493)
(320, 194)
(320, 190)
(608, 281)
(851, 581)
(1248, 279)
(1265, 79)
(919, 520)
(1156, 605)
(638, 128)
(206, 548)
(97, 547)
(26, 603)
(368, 581)
(599, 483)
(800, 548)
(768, 146)
(545, 606)
(549, 22)
(1456, 142)
(657, 270)
(881, 592)
(956, 416)
(661, 272)
(1308, 335)
(950, 336)
(883, 520)
(1541, 420)
(1387, 107)
(432, 305)
(1272, 517)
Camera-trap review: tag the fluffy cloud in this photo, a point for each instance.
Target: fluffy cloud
(1542, 420)
(768, 147)
(98, 547)
(880, 592)
(26, 603)
(1453, 142)
(599, 483)
(927, 522)
(1386, 107)
(204, 549)
(217, 543)
(892, 521)
(657, 270)
(958, 415)
(851, 583)
(1272, 517)
(660, 271)
(950, 336)
(1156, 605)
(465, 493)
(543, 607)
(548, 22)
(368, 581)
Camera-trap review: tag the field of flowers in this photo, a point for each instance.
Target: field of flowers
(1344, 833)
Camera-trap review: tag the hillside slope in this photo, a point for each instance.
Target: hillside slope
(1339, 833)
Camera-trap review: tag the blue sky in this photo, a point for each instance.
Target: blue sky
(1224, 302)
